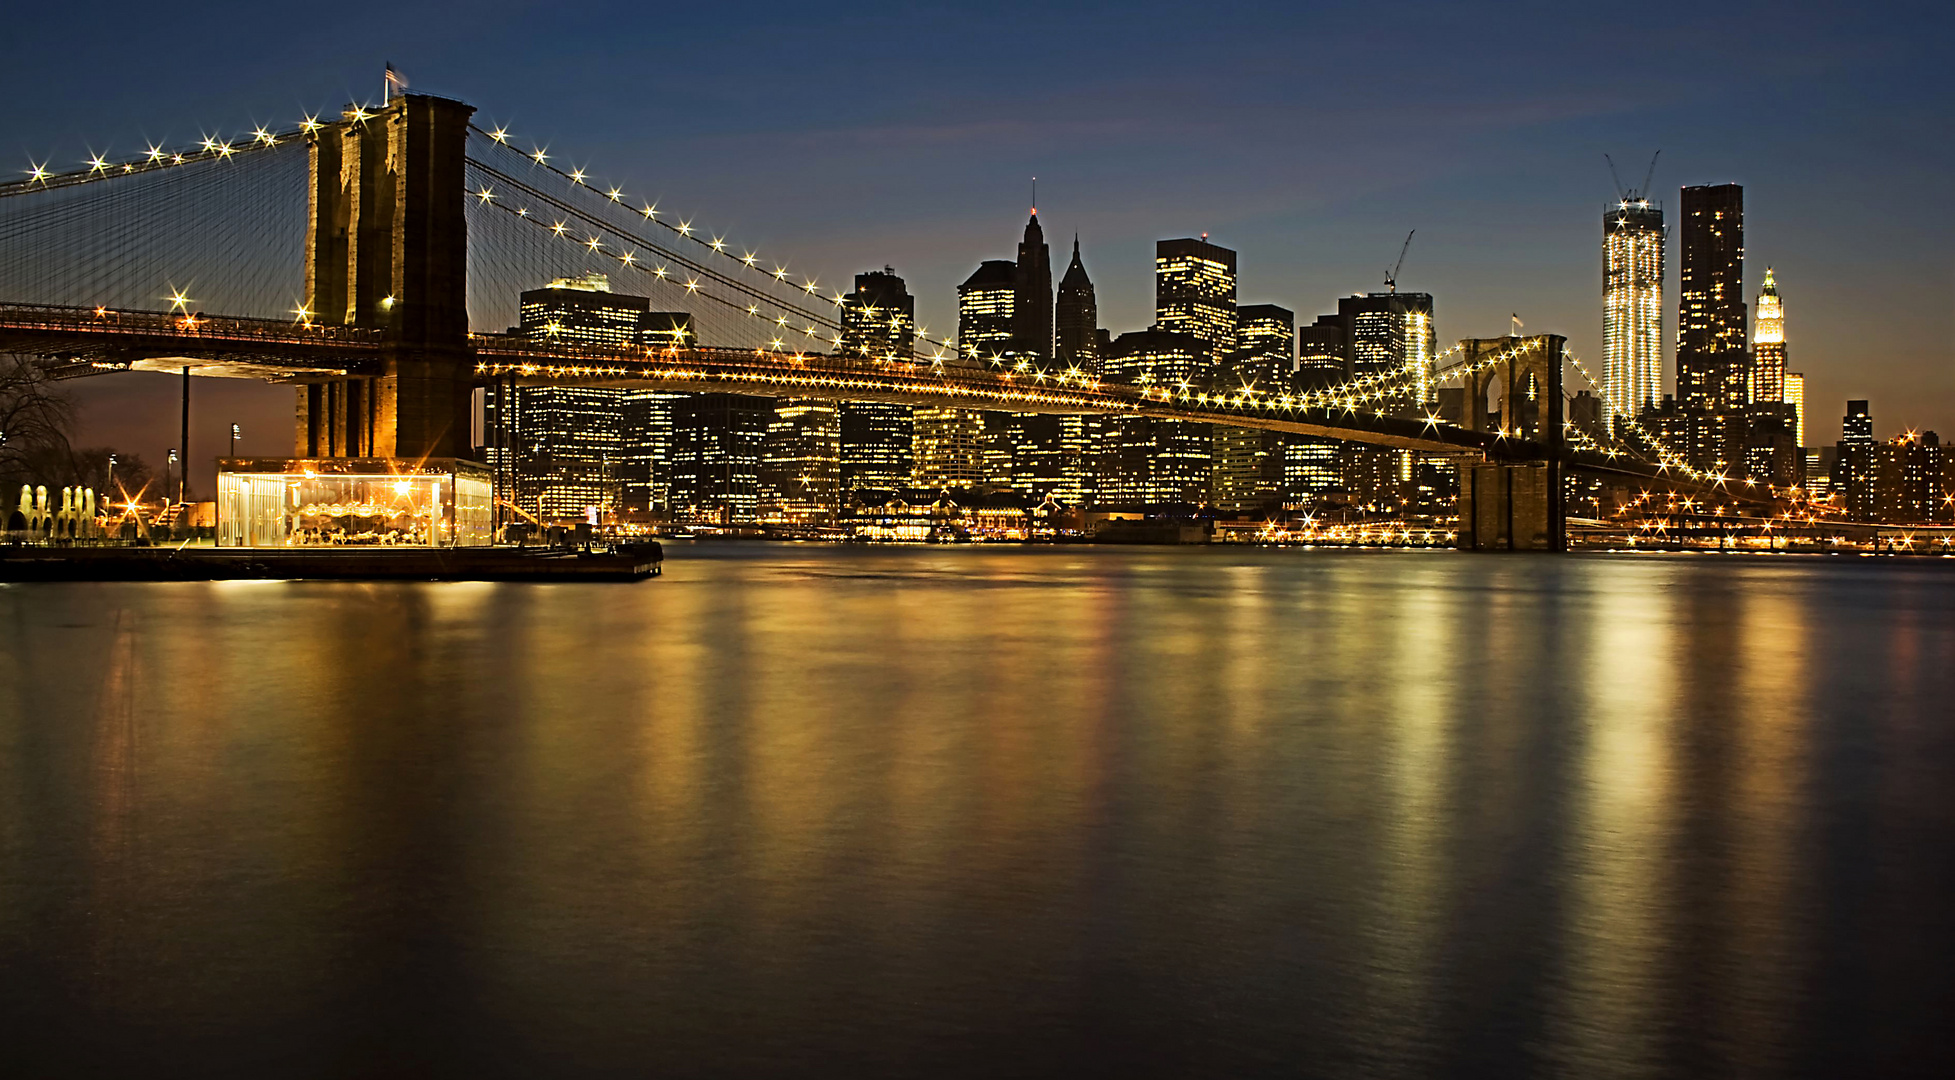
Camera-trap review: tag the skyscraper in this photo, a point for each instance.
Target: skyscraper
(987, 304)
(1853, 463)
(1857, 427)
(876, 438)
(1265, 355)
(1768, 344)
(716, 451)
(1323, 353)
(1247, 464)
(799, 460)
(1194, 293)
(1711, 355)
(1076, 347)
(569, 441)
(1032, 297)
(1145, 460)
(1711, 313)
(948, 448)
(647, 455)
(1076, 319)
(1632, 306)
(1391, 331)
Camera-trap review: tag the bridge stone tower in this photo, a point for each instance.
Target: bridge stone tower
(1508, 506)
(386, 248)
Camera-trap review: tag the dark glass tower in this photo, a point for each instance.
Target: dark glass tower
(1711, 359)
(1032, 303)
(1076, 319)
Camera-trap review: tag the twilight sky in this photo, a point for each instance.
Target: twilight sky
(1309, 137)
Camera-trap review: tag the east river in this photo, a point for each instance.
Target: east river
(795, 810)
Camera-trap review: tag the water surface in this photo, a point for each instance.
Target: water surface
(987, 812)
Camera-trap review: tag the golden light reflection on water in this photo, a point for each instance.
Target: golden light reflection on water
(1620, 838)
(1371, 806)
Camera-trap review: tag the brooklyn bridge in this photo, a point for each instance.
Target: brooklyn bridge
(371, 261)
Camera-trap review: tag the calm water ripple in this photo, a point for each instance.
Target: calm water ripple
(978, 811)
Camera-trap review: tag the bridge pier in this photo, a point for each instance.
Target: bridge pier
(387, 249)
(1512, 508)
(1515, 505)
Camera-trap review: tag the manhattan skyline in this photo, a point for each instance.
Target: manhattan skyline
(1308, 167)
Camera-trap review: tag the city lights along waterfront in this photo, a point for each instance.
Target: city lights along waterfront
(664, 379)
(977, 811)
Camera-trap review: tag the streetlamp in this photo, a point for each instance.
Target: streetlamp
(236, 432)
(167, 468)
(110, 485)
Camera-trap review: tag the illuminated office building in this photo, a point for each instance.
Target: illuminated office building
(1265, 355)
(1711, 314)
(717, 441)
(582, 311)
(949, 445)
(1036, 454)
(1076, 347)
(1247, 464)
(949, 448)
(1310, 467)
(877, 439)
(1795, 396)
(568, 449)
(799, 480)
(1853, 462)
(1194, 293)
(1632, 306)
(1157, 358)
(1146, 461)
(1712, 358)
(1768, 344)
(986, 304)
(1391, 332)
(647, 454)
(1323, 353)
(1246, 469)
(1021, 451)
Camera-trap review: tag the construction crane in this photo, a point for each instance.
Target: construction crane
(1630, 195)
(1391, 279)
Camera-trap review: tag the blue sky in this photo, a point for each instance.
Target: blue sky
(1308, 137)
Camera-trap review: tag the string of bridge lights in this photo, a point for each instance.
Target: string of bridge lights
(629, 258)
(1668, 458)
(158, 157)
(682, 228)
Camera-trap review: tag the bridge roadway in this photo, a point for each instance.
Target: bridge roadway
(87, 341)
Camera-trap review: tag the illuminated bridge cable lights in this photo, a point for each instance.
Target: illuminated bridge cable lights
(743, 259)
(1668, 458)
(628, 240)
(99, 167)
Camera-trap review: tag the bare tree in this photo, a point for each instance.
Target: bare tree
(35, 419)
